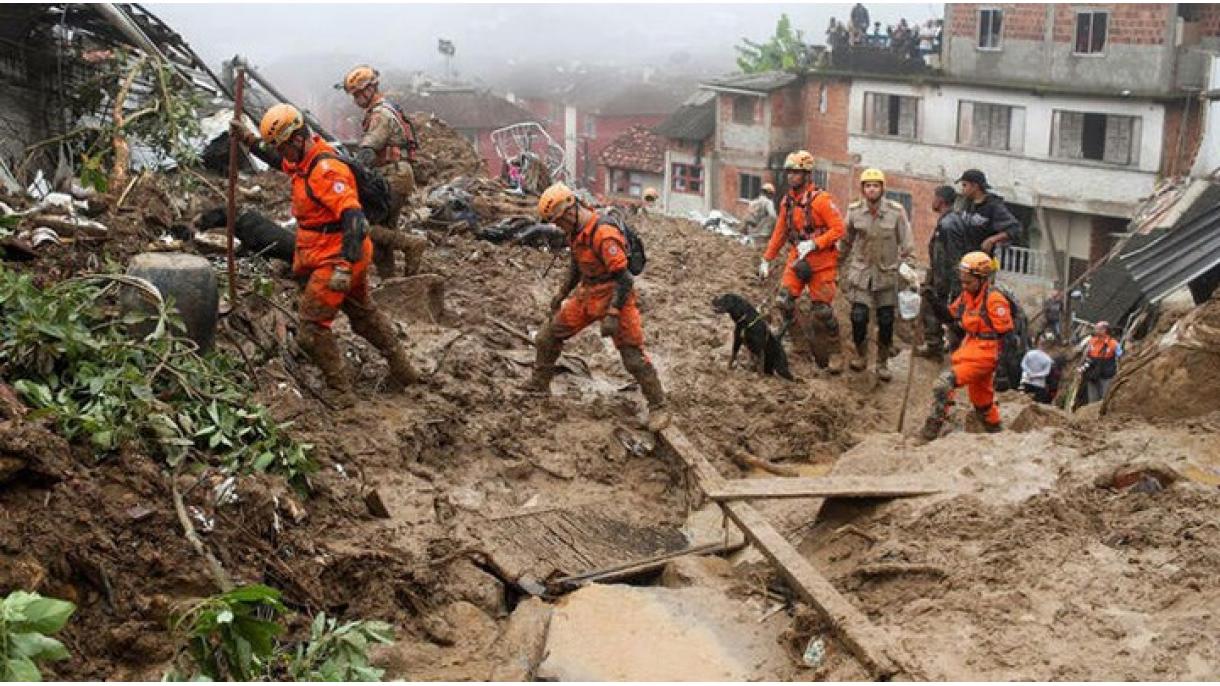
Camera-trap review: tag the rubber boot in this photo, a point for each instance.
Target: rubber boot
(835, 364)
(384, 242)
(412, 253)
(860, 361)
(650, 385)
(987, 426)
(323, 349)
(547, 349)
(931, 428)
(883, 366)
(372, 325)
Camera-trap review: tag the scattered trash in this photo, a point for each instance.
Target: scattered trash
(40, 236)
(138, 513)
(225, 493)
(467, 499)
(815, 652)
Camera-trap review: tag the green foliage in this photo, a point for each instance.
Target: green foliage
(26, 622)
(72, 358)
(230, 636)
(339, 652)
(784, 51)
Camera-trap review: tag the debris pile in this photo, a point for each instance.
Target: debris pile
(444, 153)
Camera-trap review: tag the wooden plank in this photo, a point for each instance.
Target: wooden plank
(869, 644)
(826, 487)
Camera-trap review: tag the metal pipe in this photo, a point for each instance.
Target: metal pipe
(239, 79)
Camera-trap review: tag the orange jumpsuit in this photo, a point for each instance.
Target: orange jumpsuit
(974, 362)
(320, 233)
(599, 251)
(809, 214)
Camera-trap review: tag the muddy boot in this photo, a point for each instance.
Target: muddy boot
(412, 247)
(988, 426)
(883, 366)
(650, 385)
(929, 351)
(825, 316)
(372, 325)
(859, 362)
(384, 242)
(547, 349)
(323, 349)
(931, 429)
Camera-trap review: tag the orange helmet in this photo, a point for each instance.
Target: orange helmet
(978, 263)
(555, 201)
(279, 123)
(768, 188)
(359, 77)
(800, 160)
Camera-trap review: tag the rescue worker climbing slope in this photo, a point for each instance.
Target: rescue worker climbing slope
(333, 250)
(811, 225)
(984, 315)
(878, 241)
(388, 146)
(599, 287)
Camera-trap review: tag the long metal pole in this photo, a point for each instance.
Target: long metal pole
(239, 78)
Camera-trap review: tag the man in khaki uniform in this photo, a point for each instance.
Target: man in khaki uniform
(387, 145)
(760, 214)
(877, 241)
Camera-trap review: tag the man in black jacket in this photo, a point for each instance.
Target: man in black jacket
(990, 220)
(945, 250)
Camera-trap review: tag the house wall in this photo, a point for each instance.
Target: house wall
(1074, 185)
(682, 204)
(605, 130)
(24, 117)
(1037, 44)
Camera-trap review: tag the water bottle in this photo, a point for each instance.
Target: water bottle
(908, 304)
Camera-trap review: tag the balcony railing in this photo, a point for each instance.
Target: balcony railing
(1023, 261)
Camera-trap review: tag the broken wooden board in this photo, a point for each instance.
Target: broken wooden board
(869, 644)
(827, 487)
(573, 541)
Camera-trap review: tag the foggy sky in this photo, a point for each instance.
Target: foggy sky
(490, 37)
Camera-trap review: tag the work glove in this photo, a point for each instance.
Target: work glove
(909, 274)
(804, 248)
(557, 302)
(764, 268)
(340, 280)
(241, 133)
(610, 325)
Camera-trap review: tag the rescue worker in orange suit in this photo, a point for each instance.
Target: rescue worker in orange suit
(1101, 352)
(811, 225)
(388, 145)
(983, 316)
(333, 250)
(599, 287)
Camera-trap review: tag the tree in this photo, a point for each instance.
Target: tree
(784, 51)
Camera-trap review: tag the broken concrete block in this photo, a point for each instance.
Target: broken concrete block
(519, 650)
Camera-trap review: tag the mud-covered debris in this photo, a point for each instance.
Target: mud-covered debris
(376, 505)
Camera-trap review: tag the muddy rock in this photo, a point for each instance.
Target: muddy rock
(21, 573)
(519, 649)
(418, 298)
(1037, 415)
(466, 581)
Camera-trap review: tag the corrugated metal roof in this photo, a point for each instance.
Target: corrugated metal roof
(763, 82)
(692, 122)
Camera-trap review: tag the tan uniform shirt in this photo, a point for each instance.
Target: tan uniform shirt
(760, 217)
(874, 246)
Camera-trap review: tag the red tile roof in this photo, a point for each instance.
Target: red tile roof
(637, 149)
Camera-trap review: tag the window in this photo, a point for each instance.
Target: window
(745, 109)
(1091, 32)
(1108, 138)
(623, 182)
(902, 198)
(987, 125)
(820, 178)
(891, 115)
(822, 100)
(687, 178)
(748, 186)
(990, 25)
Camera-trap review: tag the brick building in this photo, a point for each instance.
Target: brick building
(632, 162)
(688, 135)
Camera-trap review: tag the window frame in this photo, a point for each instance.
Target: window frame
(1135, 122)
(1015, 143)
(1105, 42)
(742, 178)
(869, 115)
(680, 171)
(820, 178)
(904, 198)
(754, 119)
(978, 34)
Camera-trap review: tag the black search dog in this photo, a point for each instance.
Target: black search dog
(750, 328)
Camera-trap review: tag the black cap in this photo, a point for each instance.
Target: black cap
(974, 176)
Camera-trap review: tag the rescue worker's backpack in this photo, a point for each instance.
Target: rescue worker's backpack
(636, 259)
(371, 186)
(1013, 345)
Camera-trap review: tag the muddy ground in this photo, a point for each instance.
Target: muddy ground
(1034, 564)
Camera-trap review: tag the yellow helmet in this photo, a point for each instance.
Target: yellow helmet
(555, 201)
(872, 174)
(978, 263)
(800, 160)
(279, 123)
(359, 77)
